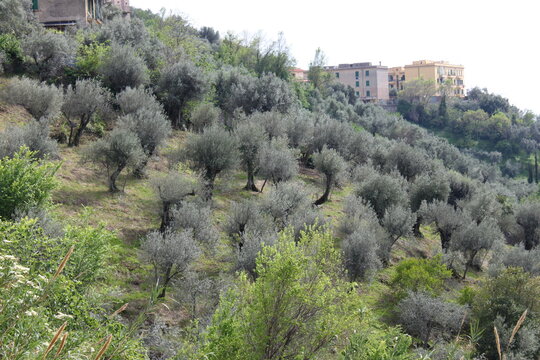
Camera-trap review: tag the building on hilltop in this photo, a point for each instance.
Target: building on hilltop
(299, 74)
(62, 13)
(396, 78)
(370, 82)
(439, 72)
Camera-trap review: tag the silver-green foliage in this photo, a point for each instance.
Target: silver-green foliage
(42, 101)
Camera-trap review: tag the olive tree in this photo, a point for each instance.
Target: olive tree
(178, 84)
(42, 101)
(288, 204)
(212, 153)
(276, 161)
(17, 17)
(151, 128)
(447, 220)
(473, 238)
(34, 137)
(131, 100)
(528, 217)
(425, 316)
(409, 161)
(197, 217)
(172, 189)
(118, 150)
(398, 221)
(361, 252)
(331, 165)
(49, 52)
(251, 137)
(203, 116)
(172, 253)
(123, 68)
(383, 191)
(81, 104)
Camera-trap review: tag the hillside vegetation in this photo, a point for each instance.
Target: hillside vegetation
(169, 193)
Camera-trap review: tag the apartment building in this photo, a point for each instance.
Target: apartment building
(62, 13)
(439, 72)
(396, 78)
(370, 82)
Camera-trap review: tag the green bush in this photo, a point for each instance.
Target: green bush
(24, 183)
(299, 307)
(416, 275)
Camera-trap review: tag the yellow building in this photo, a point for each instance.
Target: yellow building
(439, 72)
(396, 78)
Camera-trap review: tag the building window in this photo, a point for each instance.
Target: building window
(357, 83)
(402, 77)
(390, 78)
(337, 75)
(368, 93)
(35, 5)
(367, 82)
(391, 86)
(357, 74)
(367, 72)
(357, 93)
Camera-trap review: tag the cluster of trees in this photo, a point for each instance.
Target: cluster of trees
(484, 122)
(120, 90)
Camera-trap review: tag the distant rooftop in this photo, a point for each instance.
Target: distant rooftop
(361, 65)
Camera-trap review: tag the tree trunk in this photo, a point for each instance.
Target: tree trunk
(166, 280)
(416, 228)
(263, 185)
(445, 240)
(536, 167)
(78, 134)
(71, 134)
(140, 172)
(165, 217)
(324, 197)
(251, 180)
(112, 178)
(209, 187)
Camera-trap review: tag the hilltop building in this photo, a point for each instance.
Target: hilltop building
(62, 13)
(299, 74)
(438, 72)
(396, 78)
(370, 82)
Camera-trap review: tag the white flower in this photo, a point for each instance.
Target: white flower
(30, 313)
(21, 268)
(61, 315)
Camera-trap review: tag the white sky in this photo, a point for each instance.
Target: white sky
(498, 41)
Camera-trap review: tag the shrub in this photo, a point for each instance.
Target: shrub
(298, 295)
(24, 183)
(500, 302)
(419, 275)
(42, 101)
